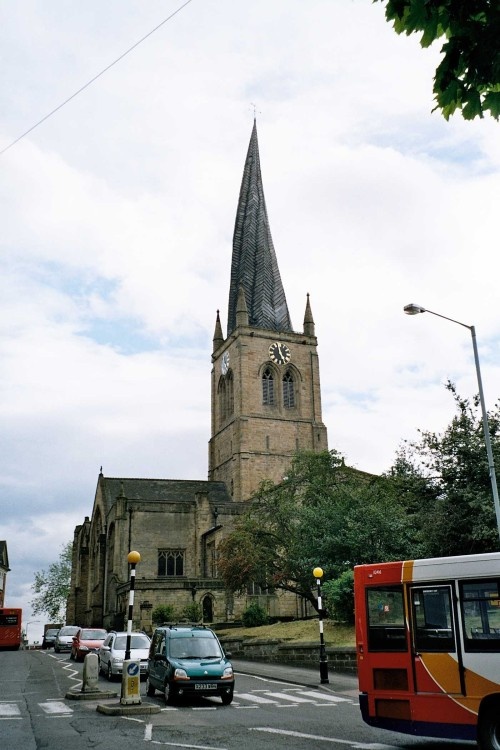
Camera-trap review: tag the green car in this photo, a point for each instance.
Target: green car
(187, 661)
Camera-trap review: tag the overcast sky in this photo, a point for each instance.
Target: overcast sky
(117, 215)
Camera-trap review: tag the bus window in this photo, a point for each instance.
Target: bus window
(386, 619)
(480, 602)
(432, 620)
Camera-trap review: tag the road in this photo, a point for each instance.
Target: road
(268, 713)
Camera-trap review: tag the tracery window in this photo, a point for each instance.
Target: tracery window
(170, 562)
(267, 387)
(288, 391)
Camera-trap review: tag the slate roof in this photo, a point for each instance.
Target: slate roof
(254, 265)
(161, 490)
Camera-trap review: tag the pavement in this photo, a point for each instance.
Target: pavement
(339, 682)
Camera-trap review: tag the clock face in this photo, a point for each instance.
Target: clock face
(224, 365)
(279, 353)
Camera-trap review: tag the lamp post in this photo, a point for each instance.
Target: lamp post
(413, 309)
(131, 669)
(323, 661)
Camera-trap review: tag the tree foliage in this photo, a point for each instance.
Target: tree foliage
(323, 513)
(52, 587)
(468, 76)
(448, 476)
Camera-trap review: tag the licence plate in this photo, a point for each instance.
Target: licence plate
(205, 686)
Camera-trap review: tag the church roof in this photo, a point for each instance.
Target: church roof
(161, 490)
(254, 266)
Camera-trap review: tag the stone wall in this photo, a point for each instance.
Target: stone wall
(283, 652)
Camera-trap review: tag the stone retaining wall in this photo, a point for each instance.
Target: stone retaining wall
(283, 652)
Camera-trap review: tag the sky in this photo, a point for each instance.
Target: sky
(117, 214)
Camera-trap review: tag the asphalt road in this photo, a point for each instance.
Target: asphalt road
(274, 708)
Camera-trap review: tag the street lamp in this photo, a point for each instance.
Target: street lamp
(413, 309)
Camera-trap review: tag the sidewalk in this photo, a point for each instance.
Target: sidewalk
(339, 682)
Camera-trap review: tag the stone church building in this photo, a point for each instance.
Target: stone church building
(265, 405)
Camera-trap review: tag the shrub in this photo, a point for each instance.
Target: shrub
(339, 597)
(163, 613)
(254, 616)
(192, 612)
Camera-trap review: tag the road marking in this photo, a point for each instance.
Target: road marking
(9, 711)
(255, 698)
(55, 708)
(319, 738)
(325, 696)
(294, 698)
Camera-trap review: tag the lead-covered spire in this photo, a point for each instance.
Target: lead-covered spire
(254, 266)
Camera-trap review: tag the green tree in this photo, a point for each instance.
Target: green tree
(468, 76)
(324, 513)
(448, 475)
(51, 587)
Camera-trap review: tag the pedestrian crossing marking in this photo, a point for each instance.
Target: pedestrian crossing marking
(9, 711)
(325, 696)
(55, 707)
(255, 698)
(294, 698)
(49, 708)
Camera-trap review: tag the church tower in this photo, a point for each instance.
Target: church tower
(266, 396)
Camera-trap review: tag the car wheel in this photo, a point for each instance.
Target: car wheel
(110, 673)
(150, 689)
(227, 698)
(489, 728)
(170, 693)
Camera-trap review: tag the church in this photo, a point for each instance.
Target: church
(265, 406)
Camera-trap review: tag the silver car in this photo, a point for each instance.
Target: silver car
(112, 652)
(64, 638)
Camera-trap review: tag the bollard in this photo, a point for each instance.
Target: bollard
(90, 674)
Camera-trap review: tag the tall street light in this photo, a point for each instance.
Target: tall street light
(413, 309)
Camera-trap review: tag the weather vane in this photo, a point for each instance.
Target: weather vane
(255, 110)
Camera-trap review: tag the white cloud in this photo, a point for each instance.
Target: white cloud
(117, 216)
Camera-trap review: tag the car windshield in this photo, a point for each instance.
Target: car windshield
(93, 635)
(136, 641)
(195, 648)
(68, 631)
(51, 632)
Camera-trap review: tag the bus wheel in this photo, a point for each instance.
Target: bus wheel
(489, 728)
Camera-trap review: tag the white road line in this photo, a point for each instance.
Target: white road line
(294, 698)
(319, 738)
(324, 696)
(9, 711)
(255, 698)
(55, 707)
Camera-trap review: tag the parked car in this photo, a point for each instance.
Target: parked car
(188, 661)
(49, 637)
(64, 638)
(112, 652)
(87, 641)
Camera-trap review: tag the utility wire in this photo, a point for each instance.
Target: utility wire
(95, 77)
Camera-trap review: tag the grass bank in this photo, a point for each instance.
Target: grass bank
(297, 631)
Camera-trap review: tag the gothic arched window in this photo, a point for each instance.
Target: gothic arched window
(267, 387)
(288, 391)
(229, 394)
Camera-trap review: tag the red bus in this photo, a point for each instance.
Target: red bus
(428, 646)
(10, 628)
